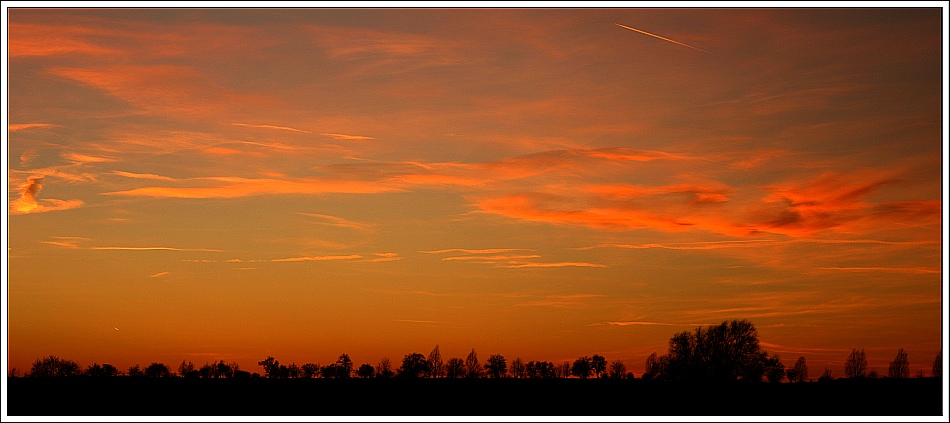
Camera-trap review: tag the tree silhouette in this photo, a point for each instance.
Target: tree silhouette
(517, 368)
(582, 367)
(187, 369)
(384, 369)
(652, 370)
(293, 371)
(104, 370)
(135, 371)
(339, 370)
(53, 366)
(599, 365)
(857, 364)
(455, 368)
(774, 369)
(271, 366)
(157, 370)
(799, 373)
(436, 367)
(725, 352)
(472, 368)
(414, 366)
(310, 370)
(496, 367)
(825, 376)
(540, 370)
(365, 371)
(936, 370)
(617, 370)
(900, 367)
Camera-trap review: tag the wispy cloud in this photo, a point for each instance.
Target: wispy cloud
(476, 251)
(84, 158)
(155, 249)
(66, 244)
(492, 258)
(548, 265)
(325, 219)
(158, 275)
(142, 176)
(317, 258)
(13, 127)
(280, 128)
(345, 137)
(28, 203)
(912, 270)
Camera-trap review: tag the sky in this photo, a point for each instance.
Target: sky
(221, 184)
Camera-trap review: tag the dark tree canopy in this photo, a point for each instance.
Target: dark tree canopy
(517, 369)
(384, 369)
(455, 368)
(436, 367)
(900, 367)
(599, 365)
(857, 364)
(414, 365)
(617, 370)
(936, 370)
(799, 373)
(157, 370)
(53, 366)
(725, 352)
(365, 371)
(582, 367)
(104, 370)
(496, 367)
(472, 368)
(540, 370)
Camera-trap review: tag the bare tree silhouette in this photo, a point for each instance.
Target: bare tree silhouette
(384, 369)
(310, 370)
(472, 368)
(825, 376)
(653, 369)
(900, 367)
(455, 368)
(135, 371)
(517, 368)
(436, 367)
(936, 370)
(857, 364)
(187, 369)
(617, 370)
(799, 373)
(496, 367)
(52, 366)
(563, 370)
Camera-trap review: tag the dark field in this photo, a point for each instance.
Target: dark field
(117, 396)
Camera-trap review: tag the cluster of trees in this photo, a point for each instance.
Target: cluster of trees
(726, 352)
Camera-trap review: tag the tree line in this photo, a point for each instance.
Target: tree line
(726, 352)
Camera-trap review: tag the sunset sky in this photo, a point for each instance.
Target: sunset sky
(214, 184)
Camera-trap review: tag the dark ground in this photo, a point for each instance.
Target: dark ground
(128, 396)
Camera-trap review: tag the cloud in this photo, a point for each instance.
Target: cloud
(317, 258)
(61, 244)
(13, 127)
(912, 270)
(325, 219)
(482, 251)
(280, 128)
(492, 258)
(155, 249)
(345, 137)
(549, 265)
(27, 203)
(83, 158)
(142, 176)
(158, 275)
(235, 187)
(27, 157)
(642, 324)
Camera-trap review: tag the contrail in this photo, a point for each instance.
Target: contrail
(663, 38)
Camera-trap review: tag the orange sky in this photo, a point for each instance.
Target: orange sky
(545, 184)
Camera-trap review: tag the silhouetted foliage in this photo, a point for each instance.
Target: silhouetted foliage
(135, 371)
(936, 370)
(540, 370)
(365, 371)
(774, 369)
(599, 365)
(104, 370)
(271, 367)
(652, 369)
(617, 370)
(13, 372)
(157, 370)
(725, 352)
(293, 371)
(826, 376)
(563, 370)
(414, 366)
(187, 369)
(455, 368)
(309, 370)
(900, 367)
(857, 364)
(384, 369)
(472, 368)
(582, 367)
(872, 374)
(339, 370)
(517, 369)
(53, 366)
(496, 367)
(798, 373)
(436, 366)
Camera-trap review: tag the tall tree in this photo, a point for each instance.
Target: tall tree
(563, 370)
(936, 370)
(414, 366)
(857, 364)
(270, 365)
(582, 367)
(617, 370)
(900, 367)
(517, 368)
(652, 369)
(135, 371)
(598, 365)
(345, 366)
(310, 370)
(436, 367)
(455, 368)
(472, 368)
(384, 369)
(496, 367)
(725, 352)
(365, 371)
(798, 373)
(187, 369)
